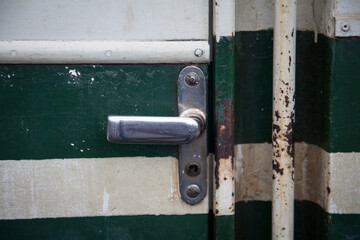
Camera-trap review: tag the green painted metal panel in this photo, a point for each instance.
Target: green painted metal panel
(327, 86)
(253, 86)
(344, 98)
(60, 111)
(176, 227)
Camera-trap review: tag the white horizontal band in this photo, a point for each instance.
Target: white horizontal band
(92, 187)
(49, 52)
(329, 179)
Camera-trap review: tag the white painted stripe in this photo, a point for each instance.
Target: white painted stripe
(121, 20)
(331, 180)
(224, 199)
(317, 16)
(47, 52)
(224, 18)
(92, 187)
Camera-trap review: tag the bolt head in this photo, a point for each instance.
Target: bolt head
(345, 26)
(198, 52)
(192, 79)
(193, 191)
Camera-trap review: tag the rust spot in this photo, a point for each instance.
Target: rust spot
(276, 167)
(292, 33)
(289, 135)
(328, 190)
(329, 219)
(287, 101)
(230, 46)
(277, 115)
(224, 136)
(216, 211)
(276, 128)
(289, 61)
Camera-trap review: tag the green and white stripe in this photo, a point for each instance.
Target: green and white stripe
(327, 152)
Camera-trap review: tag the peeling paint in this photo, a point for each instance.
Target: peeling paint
(329, 179)
(224, 202)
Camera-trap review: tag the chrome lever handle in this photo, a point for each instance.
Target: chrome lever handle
(155, 130)
(186, 130)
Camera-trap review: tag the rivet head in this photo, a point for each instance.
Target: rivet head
(108, 53)
(13, 53)
(193, 191)
(198, 52)
(192, 79)
(345, 26)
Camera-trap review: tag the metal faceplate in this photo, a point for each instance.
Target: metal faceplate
(188, 130)
(193, 156)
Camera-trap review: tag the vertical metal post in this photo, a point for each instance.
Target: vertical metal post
(224, 79)
(283, 119)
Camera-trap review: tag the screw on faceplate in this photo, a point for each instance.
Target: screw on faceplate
(193, 191)
(192, 169)
(198, 52)
(192, 78)
(108, 53)
(345, 27)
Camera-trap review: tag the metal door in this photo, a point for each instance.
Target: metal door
(68, 65)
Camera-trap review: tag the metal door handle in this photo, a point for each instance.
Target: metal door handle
(188, 130)
(155, 130)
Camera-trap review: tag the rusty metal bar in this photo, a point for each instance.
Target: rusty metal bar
(224, 80)
(283, 119)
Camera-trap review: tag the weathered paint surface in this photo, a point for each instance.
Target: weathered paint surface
(224, 165)
(326, 200)
(223, 18)
(283, 119)
(328, 95)
(92, 187)
(56, 163)
(317, 16)
(60, 111)
(223, 98)
(320, 176)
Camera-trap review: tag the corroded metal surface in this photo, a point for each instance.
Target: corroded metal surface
(283, 119)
